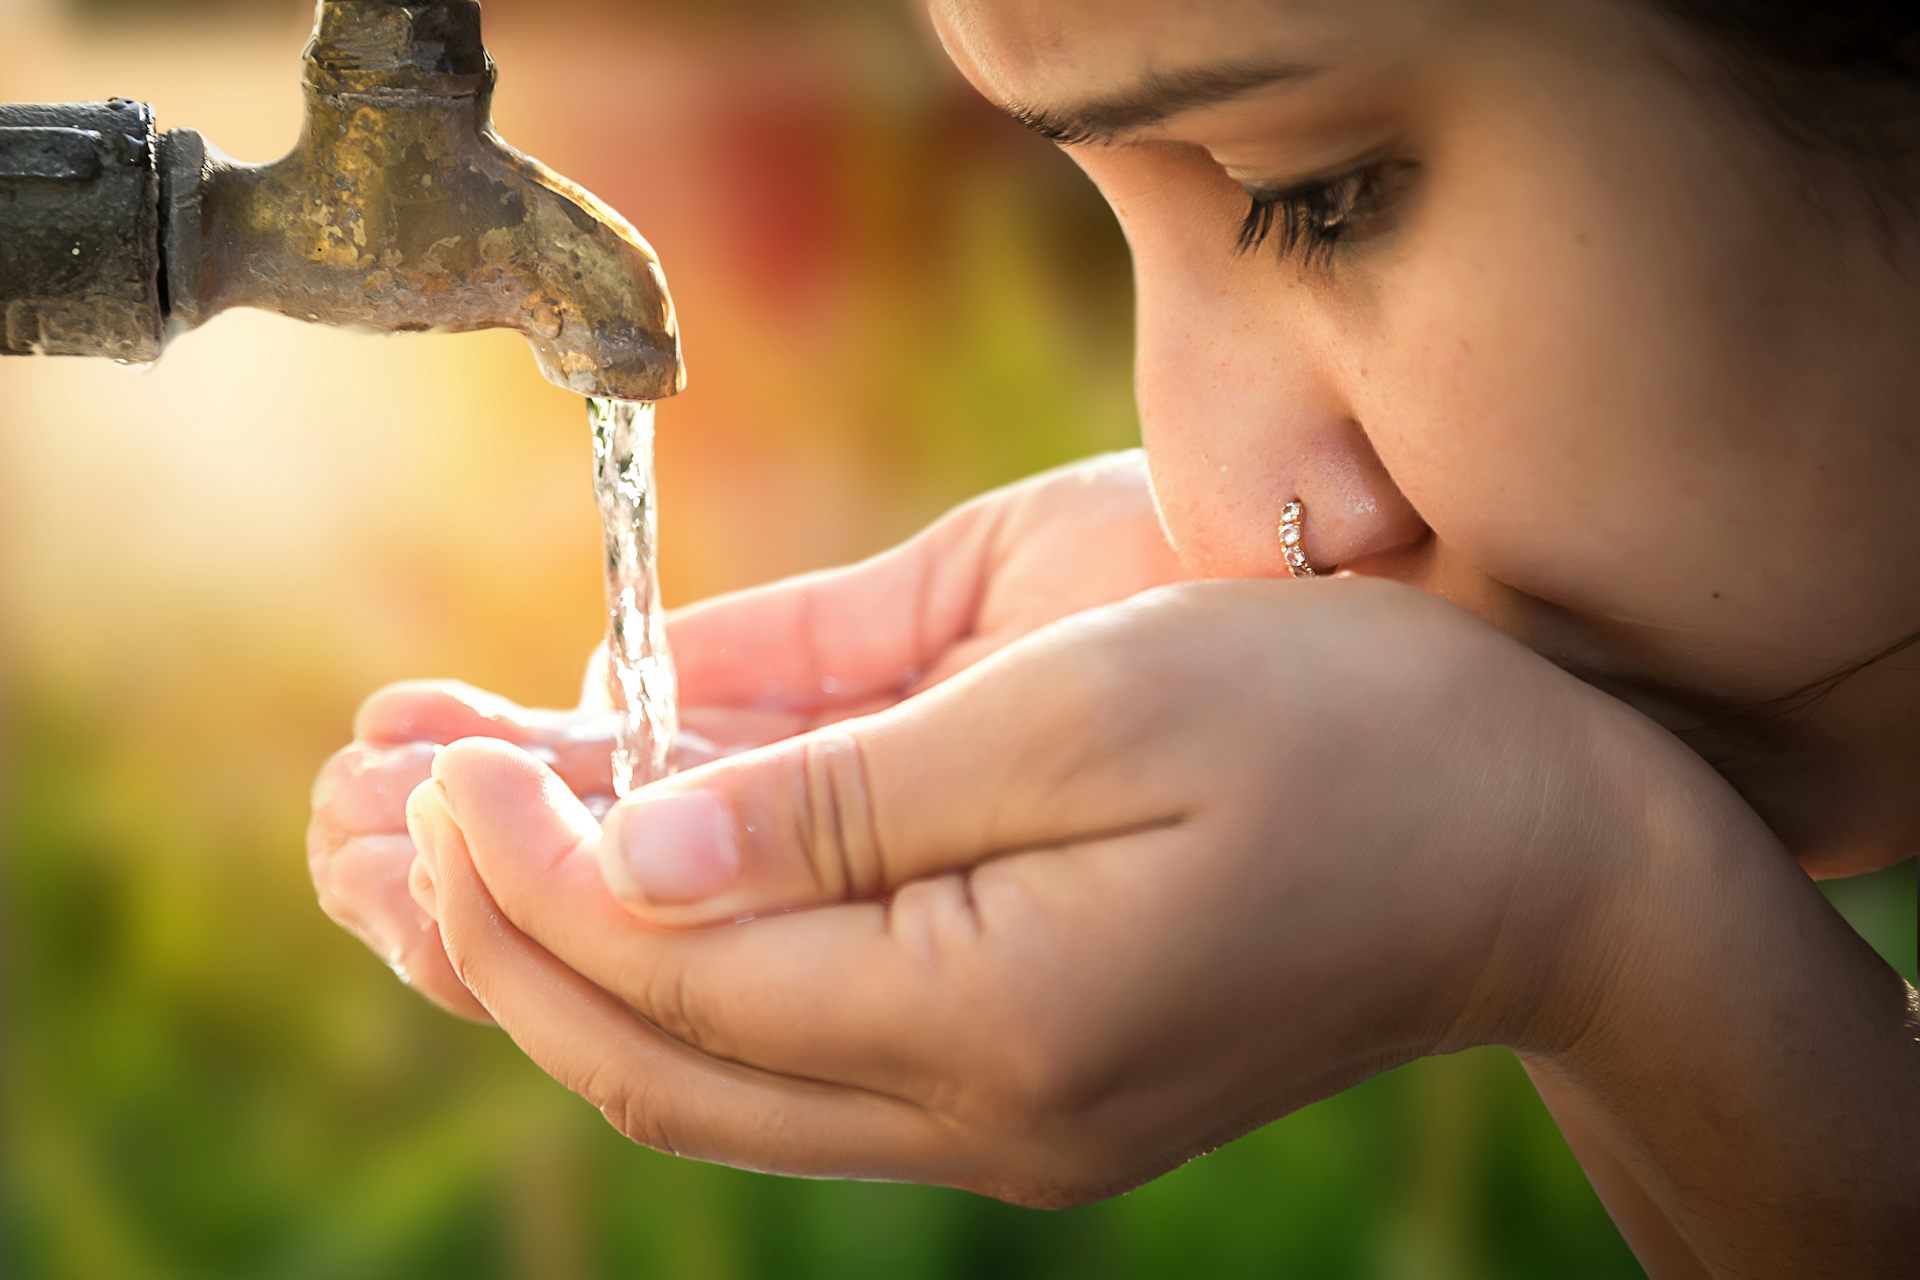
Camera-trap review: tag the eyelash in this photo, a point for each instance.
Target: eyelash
(1312, 218)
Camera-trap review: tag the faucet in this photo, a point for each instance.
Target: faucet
(399, 210)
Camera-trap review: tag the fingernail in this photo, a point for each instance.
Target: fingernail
(424, 823)
(674, 849)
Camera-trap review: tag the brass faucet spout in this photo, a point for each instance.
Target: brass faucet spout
(399, 210)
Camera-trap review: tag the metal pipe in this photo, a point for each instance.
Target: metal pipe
(80, 231)
(399, 210)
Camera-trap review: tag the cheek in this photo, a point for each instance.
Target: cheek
(1595, 374)
(1558, 387)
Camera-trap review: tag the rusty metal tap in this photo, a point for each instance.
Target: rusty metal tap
(399, 210)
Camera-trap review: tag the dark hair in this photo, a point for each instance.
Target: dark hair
(1840, 80)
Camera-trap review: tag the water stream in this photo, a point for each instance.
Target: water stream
(639, 667)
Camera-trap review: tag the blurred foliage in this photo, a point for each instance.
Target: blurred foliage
(893, 300)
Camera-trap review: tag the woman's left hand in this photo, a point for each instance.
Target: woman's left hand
(1139, 883)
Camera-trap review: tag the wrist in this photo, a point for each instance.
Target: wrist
(1749, 1056)
(1619, 899)
(1688, 873)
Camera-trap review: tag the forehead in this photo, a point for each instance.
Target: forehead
(1039, 51)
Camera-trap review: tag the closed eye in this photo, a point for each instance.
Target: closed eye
(1313, 218)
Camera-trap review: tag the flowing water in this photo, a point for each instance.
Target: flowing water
(639, 667)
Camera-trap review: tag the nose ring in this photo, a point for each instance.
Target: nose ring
(1295, 555)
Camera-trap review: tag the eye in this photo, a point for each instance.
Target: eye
(1313, 217)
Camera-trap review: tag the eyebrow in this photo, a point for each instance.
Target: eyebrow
(1158, 96)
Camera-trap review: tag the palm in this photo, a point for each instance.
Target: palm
(756, 668)
(1070, 541)
(766, 664)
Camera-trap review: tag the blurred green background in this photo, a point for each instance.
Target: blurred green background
(892, 299)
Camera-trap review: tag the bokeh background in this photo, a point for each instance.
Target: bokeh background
(892, 299)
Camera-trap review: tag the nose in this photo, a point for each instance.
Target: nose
(1244, 407)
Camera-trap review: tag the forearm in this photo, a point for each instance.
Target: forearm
(1663, 1252)
(1755, 1066)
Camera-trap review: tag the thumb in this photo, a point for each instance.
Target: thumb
(1036, 747)
(505, 803)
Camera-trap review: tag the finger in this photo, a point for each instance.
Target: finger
(845, 635)
(365, 891)
(1050, 742)
(425, 968)
(363, 790)
(659, 1091)
(825, 994)
(579, 745)
(430, 710)
(358, 853)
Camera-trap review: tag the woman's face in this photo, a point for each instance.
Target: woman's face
(1562, 339)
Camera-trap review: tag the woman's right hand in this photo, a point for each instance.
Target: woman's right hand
(755, 668)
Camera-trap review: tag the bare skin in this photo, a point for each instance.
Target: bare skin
(1586, 364)
(754, 670)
